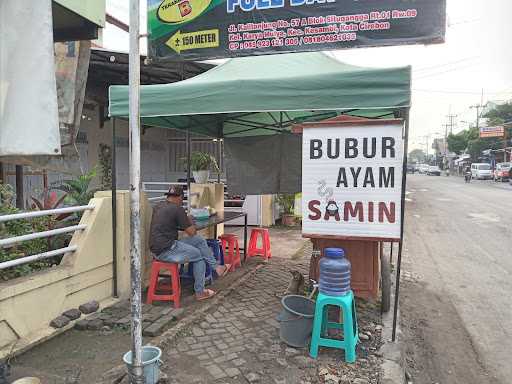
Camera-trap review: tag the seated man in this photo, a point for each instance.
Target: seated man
(169, 217)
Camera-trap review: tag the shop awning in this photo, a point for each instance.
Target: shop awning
(265, 95)
(77, 20)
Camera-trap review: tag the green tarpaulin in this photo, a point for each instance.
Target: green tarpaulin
(266, 94)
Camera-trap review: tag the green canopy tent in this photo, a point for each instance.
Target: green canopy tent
(264, 95)
(254, 96)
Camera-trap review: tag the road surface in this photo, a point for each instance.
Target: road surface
(457, 291)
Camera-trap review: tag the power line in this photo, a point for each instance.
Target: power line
(443, 72)
(459, 92)
(437, 66)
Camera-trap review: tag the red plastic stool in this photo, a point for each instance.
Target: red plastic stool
(232, 256)
(173, 288)
(265, 243)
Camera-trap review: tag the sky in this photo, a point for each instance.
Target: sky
(447, 78)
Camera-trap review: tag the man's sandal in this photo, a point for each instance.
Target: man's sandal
(205, 295)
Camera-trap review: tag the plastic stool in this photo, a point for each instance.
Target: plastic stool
(216, 248)
(232, 255)
(173, 287)
(265, 243)
(321, 325)
(189, 273)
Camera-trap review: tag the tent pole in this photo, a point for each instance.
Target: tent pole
(113, 180)
(219, 151)
(402, 214)
(136, 374)
(188, 170)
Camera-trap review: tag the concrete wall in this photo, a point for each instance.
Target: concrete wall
(29, 303)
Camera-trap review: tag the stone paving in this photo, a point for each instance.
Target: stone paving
(238, 341)
(235, 341)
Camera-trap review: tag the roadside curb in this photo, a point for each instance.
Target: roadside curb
(117, 374)
(393, 353)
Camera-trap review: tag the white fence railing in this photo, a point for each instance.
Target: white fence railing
(38, 235)
(161, 191)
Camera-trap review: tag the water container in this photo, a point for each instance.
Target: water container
(334, 273)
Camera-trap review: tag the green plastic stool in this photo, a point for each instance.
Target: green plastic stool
(349, 326)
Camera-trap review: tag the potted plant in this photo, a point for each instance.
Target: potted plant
(201, 163)
(287, 201)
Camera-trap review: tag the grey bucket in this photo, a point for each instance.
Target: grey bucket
(150, 362)
(296, 320)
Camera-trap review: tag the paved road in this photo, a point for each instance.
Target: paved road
(459, 249)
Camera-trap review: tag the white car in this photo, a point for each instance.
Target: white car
(424, 168)
(481, 171)
(434, 170)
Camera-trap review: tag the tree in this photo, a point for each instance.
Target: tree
(469, 140)
(458, 143)
(417, 156)
(500, 114)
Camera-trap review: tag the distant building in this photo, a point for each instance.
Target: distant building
(440, 146)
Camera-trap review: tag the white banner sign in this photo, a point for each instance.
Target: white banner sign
(29, 119)
(352, 180)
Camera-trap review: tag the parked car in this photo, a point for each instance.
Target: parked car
(434, 170)
(423, 168)
(410, 168)
(481, 171)
(502, 172)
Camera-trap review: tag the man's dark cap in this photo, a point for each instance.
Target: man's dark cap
(175, 190)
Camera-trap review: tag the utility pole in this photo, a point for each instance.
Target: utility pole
(452, 122)
(505, 138)
(446, 138)
(452, 118)
(426, 138)
(136, 373)
(477, 107)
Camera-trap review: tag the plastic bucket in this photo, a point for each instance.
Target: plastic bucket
(150, 362)
(296, 320)
(28, 380)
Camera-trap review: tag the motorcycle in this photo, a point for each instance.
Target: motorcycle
(467, 177)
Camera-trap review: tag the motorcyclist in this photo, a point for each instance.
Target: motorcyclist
(467, 174)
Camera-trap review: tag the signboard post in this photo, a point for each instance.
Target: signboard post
(351, 180)
(353, 190)
(214, 29)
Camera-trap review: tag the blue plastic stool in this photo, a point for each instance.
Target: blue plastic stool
(218, 253)
(214, 245)
(321, 325)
